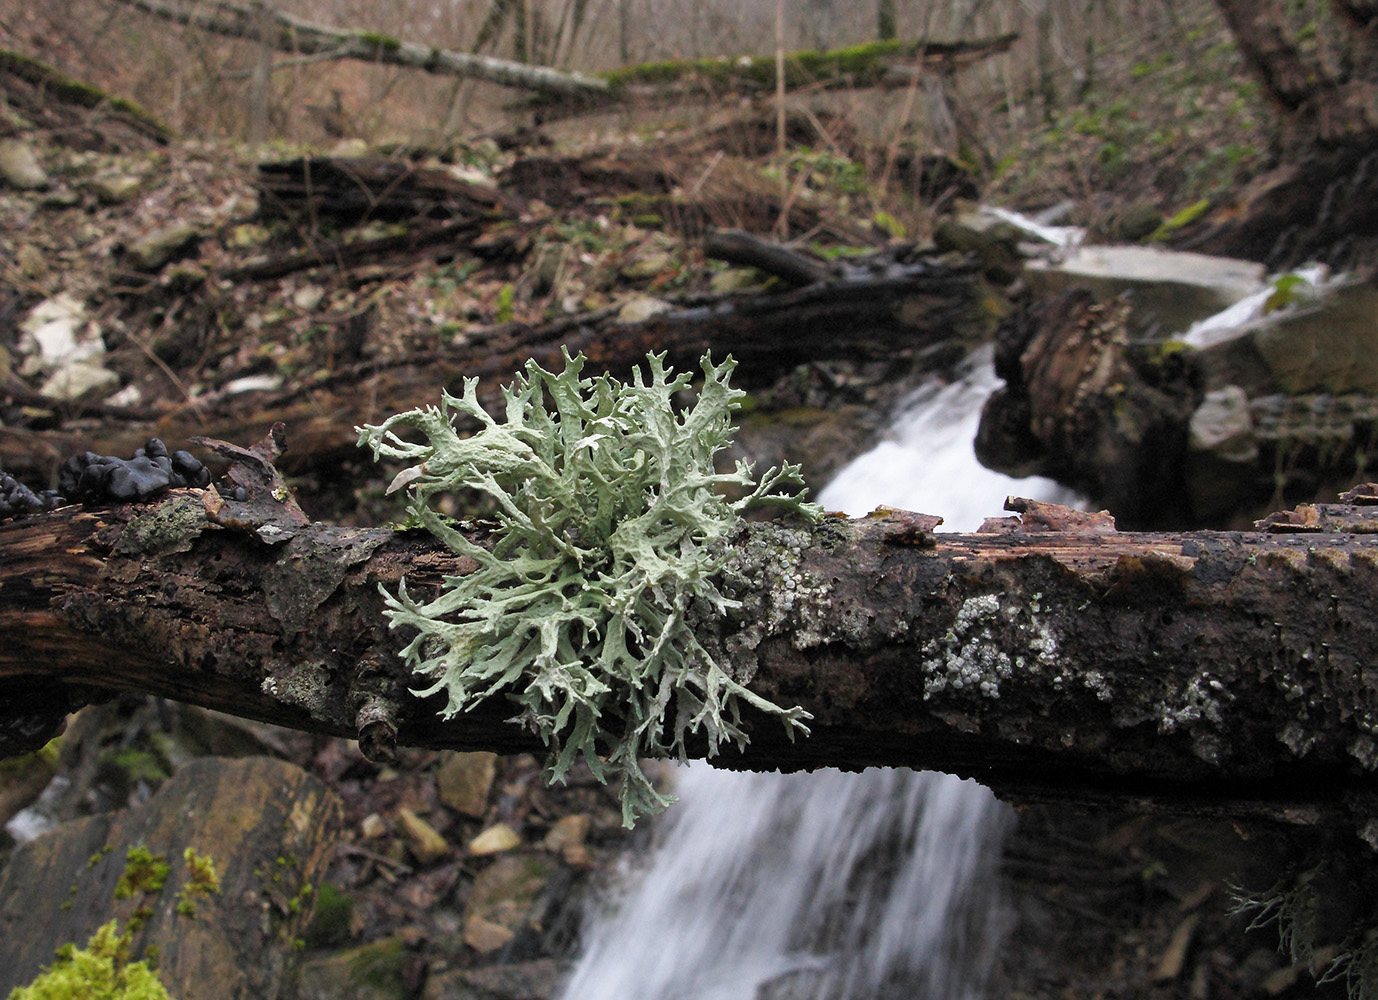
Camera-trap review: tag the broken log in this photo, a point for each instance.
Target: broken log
(1050, 656)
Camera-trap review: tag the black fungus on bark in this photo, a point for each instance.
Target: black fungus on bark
(92, 478)
(16, 499)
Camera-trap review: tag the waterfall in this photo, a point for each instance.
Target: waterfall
(827, 886)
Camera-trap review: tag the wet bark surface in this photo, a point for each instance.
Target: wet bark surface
(1051, 657)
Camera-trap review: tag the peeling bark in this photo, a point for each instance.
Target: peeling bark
(1228, 673)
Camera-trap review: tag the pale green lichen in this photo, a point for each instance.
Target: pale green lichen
(1295, 906)
(610, 530)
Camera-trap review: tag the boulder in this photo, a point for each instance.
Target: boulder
(268, 826)
(1167, 290)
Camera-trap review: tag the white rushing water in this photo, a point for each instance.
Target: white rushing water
(827, 886)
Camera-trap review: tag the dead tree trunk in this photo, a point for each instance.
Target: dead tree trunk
(1051, 657)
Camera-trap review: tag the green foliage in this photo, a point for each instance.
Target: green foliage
(100, 971)
(1289, 289)
(1183, 218)
(609, 539)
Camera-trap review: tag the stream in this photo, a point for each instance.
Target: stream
(827, 885)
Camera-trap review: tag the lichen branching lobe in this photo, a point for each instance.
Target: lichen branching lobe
(611, 527)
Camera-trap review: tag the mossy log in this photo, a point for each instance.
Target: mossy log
(1050, 656)
(888, 62)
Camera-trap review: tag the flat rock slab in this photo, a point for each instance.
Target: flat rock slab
(270, 828)
(1168, 290)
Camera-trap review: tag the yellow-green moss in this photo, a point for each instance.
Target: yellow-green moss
(144, 871)
(100, 971)
(1183, 218)
(75, 92)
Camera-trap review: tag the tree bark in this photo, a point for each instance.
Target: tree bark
(1051, 656)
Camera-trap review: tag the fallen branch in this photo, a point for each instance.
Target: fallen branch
(1223, 673)
(286, 33)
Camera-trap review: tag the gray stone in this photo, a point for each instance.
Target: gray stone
(1329, 347)
(464, 780)
(373, 971)
(640, 308)
(56, 333)
(19, 166)
(154, 250)
(1168, 290)
(1222, 424)
(115, 189)
(517, 981)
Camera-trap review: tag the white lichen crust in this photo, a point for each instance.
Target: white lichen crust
(610, 530)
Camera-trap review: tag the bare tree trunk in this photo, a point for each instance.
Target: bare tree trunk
(259, 82)
(885, 19)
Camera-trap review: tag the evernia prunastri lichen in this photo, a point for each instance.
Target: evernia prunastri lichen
(610, 529)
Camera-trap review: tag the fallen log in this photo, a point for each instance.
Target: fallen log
(1050, 656)
(887, 315)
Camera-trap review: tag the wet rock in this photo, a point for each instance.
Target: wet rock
(508, 894)
(426, 843)
(567, 838)
(1223, 426)
(647, 263)
(1168, 290)
(734, 279)
(19, 166)
(464, 780)
(495, 840)
(993, 241)
(484, 936)
(250, 816)
(1331, 346)
(374, 971)
(640, 308)
(532, 980)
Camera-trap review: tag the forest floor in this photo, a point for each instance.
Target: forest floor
(202, 288)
